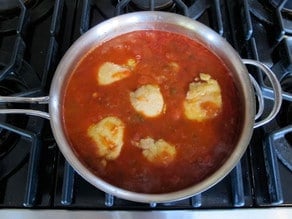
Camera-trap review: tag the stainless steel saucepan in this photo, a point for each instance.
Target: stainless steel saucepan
(166, 22)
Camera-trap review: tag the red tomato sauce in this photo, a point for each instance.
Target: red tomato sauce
(201, 147)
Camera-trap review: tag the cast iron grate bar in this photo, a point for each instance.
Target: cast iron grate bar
(55, 24)
(15, 59)
(33, 171)
(84, 23)
(19, 44)
(198, 8)
(267, 92)
(247, 24)
(183, 7)
(237, 186)
(274, 181)
(273, 16)
(274, 186)
(93, 11)
(152, 5)
(282, 146)
(68, 185)
(51, 58)
(33, 165)
(194, 11)
(109, 200)
(218, 17)
(196, 201)
(9, 26)
(282, 28)
(31, 191)
(120, 6)
(259, 11)
(123, 3)
(22, 18)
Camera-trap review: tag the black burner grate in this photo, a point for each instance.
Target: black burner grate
(265, 38)
(35, 36)
(27, 58)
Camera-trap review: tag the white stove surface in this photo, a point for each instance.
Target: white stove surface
(266, 213)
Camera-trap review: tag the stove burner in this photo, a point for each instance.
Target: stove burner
(262, 10)
(285, 117)
(11, 5)
(283, 149)
(281, 138)
(273, 14)
(157, 4)
(287, 5)
(7, 138)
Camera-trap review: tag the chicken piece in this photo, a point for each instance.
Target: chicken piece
(131, 64)
(110, 72)
(203, 100)
(148, 100)
(159, 152)
(108, 135)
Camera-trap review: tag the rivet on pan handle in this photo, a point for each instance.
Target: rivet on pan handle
(275, 86)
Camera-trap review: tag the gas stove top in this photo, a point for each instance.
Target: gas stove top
(34, 34)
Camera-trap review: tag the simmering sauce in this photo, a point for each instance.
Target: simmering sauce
(151, 111)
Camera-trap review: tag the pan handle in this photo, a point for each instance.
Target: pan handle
(276, 88)
(33, 100)
(259, 95)
(271, 76)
